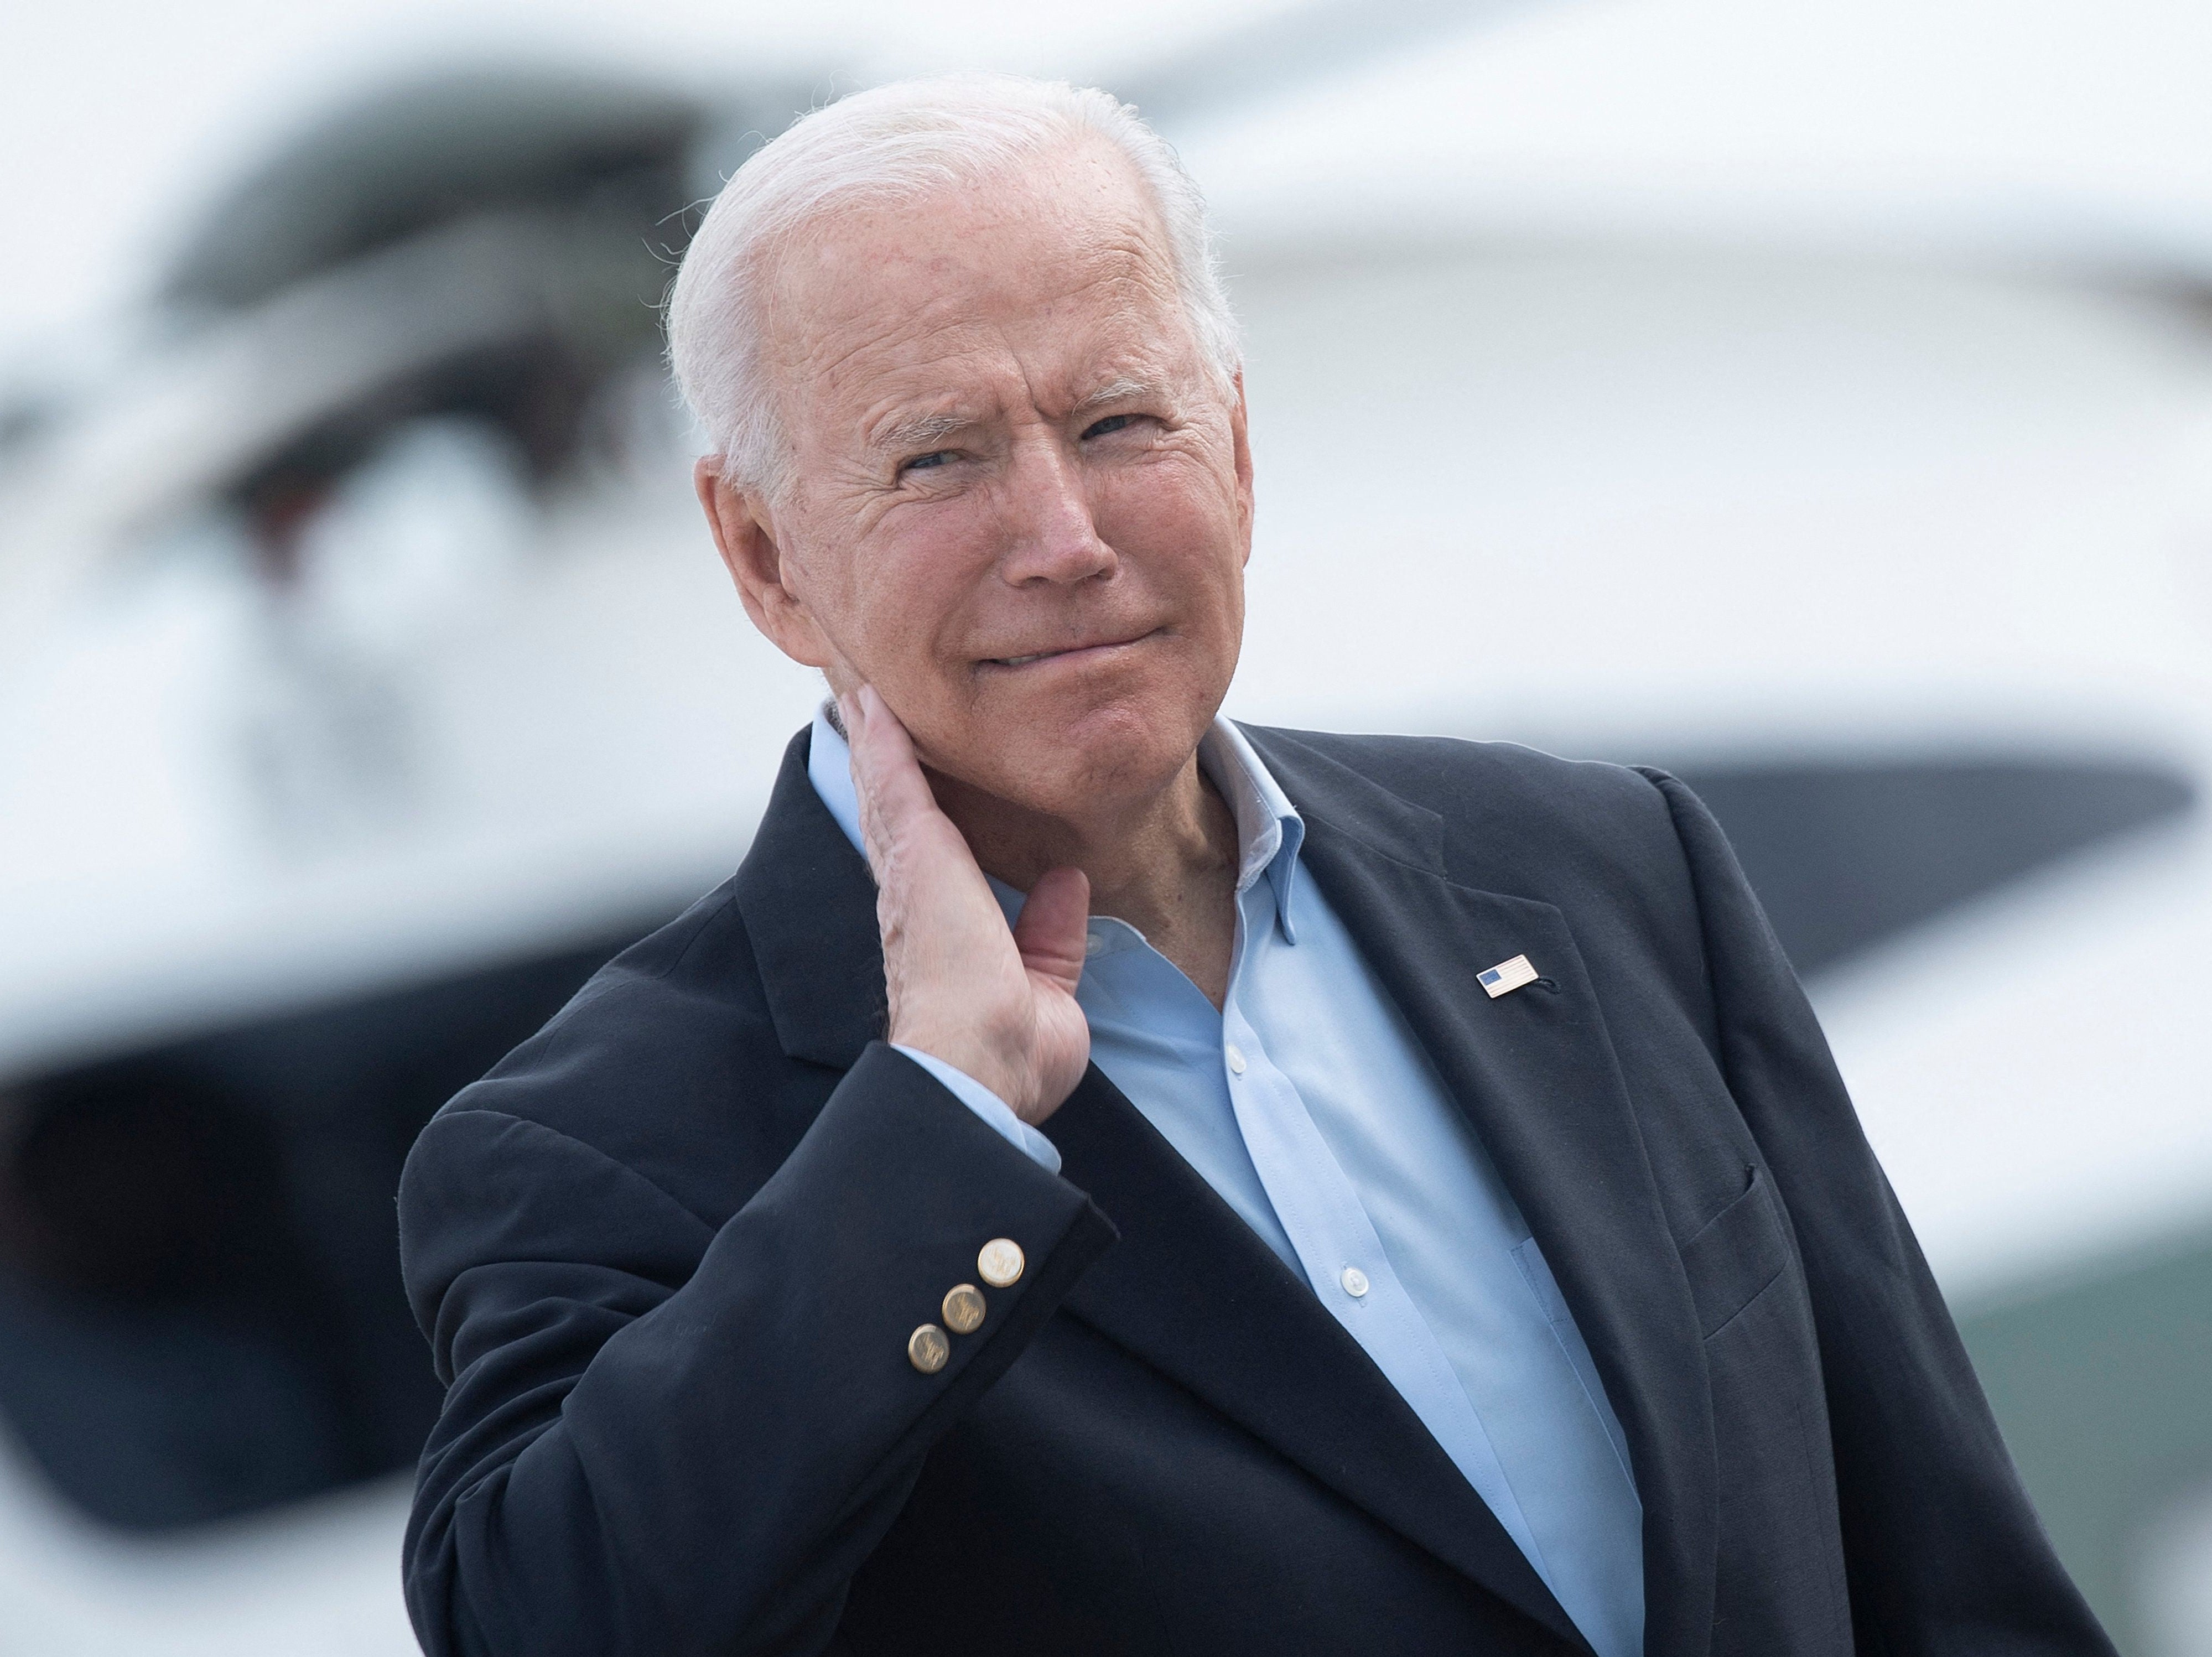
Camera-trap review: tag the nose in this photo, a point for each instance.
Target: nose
(1050, 536)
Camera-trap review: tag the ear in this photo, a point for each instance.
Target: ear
(744, 534)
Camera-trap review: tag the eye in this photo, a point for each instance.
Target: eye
(1111, 423)
(924, 462)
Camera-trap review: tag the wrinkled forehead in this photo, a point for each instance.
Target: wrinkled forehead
(1053, 276)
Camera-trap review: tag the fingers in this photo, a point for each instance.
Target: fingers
(886, 775)
(1050, 930)
(1002, 1008)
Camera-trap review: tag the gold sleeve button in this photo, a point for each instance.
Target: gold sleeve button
(927, 1347)
(964, 1309)
(1001, 1262)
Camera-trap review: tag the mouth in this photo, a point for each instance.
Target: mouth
(1073, 653)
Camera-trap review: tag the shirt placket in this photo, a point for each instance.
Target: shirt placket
(1337, 1244)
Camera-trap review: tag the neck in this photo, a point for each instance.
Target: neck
(1166, 863)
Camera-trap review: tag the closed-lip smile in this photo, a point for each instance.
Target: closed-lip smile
(1099, 647)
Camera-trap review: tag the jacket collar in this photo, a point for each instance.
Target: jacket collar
(809, 904)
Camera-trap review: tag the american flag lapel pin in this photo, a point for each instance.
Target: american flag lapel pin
(1507, 975)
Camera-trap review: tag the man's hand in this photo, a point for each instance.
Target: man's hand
(998, 1004)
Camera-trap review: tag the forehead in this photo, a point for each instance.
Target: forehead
(1049, 278)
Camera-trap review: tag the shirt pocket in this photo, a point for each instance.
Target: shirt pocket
(1736, 1255)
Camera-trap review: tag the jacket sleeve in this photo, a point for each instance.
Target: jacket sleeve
(663, 1437)
(1946, 1556)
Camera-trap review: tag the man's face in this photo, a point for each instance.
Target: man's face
(1017, 503)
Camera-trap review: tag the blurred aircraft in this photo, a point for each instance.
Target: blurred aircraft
(1611, 391)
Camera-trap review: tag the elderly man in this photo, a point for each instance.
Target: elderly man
(1214, 1189)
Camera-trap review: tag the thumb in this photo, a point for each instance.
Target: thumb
(1049, 931)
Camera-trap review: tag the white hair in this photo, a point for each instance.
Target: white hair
(892, 144)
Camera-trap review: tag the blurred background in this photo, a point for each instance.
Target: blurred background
(1813, 398)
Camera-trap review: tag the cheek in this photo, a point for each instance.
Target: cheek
(1179, 527)
(913, 581)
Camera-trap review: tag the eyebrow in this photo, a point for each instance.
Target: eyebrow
(920, 431)
(1115, 391)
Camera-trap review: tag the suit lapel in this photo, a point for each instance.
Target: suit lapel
(1191, 1289)
(1535, 1073)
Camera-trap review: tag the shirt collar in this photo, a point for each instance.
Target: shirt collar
(1269, 830)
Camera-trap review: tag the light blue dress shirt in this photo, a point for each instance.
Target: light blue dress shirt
(1306, 1102)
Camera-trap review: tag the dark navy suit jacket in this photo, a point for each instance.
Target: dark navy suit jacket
(669, 1252)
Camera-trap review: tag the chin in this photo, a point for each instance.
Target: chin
(1065, 764)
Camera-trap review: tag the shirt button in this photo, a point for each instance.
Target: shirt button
(1355, 1281)
(1236, 1055)
(1092, 943)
